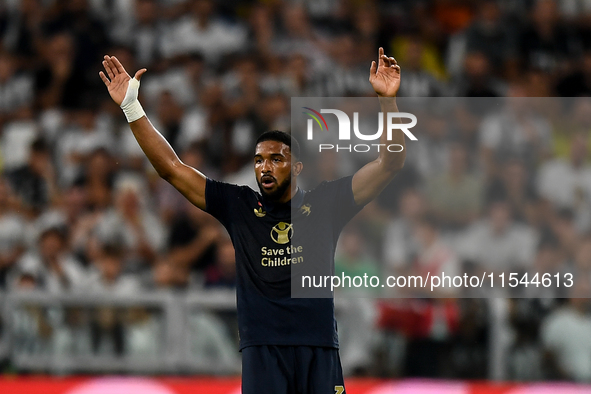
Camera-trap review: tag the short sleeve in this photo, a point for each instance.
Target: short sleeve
(340, 194)
(220, 197)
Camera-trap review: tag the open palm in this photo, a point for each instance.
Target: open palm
(384, 76)
(118, 79)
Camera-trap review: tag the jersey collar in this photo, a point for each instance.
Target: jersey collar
(296, 201)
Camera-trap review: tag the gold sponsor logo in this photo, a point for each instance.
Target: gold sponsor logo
(282, 232)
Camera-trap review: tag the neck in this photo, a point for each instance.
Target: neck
(289, 193)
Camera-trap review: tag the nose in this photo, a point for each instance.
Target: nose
(266, 167)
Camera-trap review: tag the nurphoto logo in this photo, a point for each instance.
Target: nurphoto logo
(344, 132)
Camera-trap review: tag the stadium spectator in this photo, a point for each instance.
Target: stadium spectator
(455, 197)
(566, 183)
(222, 274)
(565, 337)
(498, 243)
(547, 43)
(16, 88)
(525, 356)
(171, 203)
(564, 229)
(162, 276)
(169, 116)
(515, 131)
(418, 81)
(577, 82)
(574, 120)
(142, 232)
(97, 178)
(35, 183)
(166, 276)
(141, 30)
(261, 29)
(193, 240)
(24, 31)
(299, 36)
(490, 34)
(185, 80)
(69, 211)
(76, 144)
(18, 133)
(468, 353)
(58, 271)
(33, 331)
(345, 78)
(477, 79)
(88, 32)
(434, 255)
(202, 31)
(431, 157)
(12, 232)
(106, 275)
(400, 245)
(356, 324)
(352, 258)
(550, 260)
(56, 85)
(107, 332)
(514, 183)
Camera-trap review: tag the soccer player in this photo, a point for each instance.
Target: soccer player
(289, 345)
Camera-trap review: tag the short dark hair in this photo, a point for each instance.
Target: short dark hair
(59, 230)
(281, 136)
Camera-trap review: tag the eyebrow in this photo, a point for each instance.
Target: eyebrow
(272, 155)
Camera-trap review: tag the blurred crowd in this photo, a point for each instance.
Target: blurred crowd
(81, 209)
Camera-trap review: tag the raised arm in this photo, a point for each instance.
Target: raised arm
(372, 178)
(124, 91)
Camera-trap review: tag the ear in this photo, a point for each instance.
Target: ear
(297, 168)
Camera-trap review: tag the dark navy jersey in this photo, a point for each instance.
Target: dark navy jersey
(269, 240)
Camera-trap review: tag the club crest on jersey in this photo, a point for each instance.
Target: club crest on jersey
(306, 209)
(282, 232)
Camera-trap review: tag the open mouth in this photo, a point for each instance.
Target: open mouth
(268, 181)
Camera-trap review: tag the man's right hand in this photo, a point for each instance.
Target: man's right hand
(118, 79)
(124, 90)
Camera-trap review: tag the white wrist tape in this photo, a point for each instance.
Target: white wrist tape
(130, 105)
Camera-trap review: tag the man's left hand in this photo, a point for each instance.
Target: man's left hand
(384, 75)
